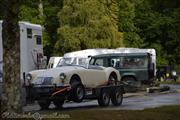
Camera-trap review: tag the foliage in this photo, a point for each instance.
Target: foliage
(85, 24)
(159, 23)
(88, 24)
(51, 24)
(29, 12)
(126, 23)
(1, 9)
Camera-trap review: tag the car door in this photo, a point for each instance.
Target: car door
(93, 77)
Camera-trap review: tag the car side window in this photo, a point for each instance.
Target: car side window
(98, 62)
(91, 62)
(114, 62)
(134, 62)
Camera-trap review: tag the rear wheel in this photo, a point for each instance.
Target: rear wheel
(44, 104)
(117, 97)
(104, 98)
(77, 92)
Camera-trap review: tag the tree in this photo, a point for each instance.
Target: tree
(11, 98)
(1, 9)
(126, 24)
(88, 24)
(43, 12)
(51, 24)
(30, 11)
(158, 23)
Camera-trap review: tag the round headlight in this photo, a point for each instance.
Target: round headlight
(62, 76)
(29, 77)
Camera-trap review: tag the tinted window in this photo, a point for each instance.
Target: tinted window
(126, 62)
(29, 33)
(38, 40)
(92, 61)
(134, 62)
(99, 62)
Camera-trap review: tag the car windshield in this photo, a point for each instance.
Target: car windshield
(73, 61)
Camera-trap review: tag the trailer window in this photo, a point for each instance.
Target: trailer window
(29, 33)
(38, 40)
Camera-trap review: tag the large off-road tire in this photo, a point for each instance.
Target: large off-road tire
(116, 97)
(58, 103)
(104, 98)
(44, 104)
(129, 81)
(131, 85)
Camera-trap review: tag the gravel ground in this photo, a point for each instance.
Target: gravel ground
(132, 101)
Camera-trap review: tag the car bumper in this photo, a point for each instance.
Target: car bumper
(35, 92)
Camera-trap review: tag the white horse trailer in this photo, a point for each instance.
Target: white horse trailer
(31, 49)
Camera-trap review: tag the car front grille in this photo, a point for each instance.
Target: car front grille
(47, 81)
(43, 81)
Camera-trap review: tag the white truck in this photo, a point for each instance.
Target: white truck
(31, 49)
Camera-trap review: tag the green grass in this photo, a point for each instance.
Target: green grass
(161, 113)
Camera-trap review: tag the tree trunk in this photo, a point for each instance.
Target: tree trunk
(11, 97)
(40, 7)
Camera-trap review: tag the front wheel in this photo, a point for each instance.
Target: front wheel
(58, 103)
(104, 98)
(77, 93)
(44, 104)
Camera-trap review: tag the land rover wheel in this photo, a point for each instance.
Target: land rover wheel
(129, 81)
(130, 84)
(104, 98)
(117, 97)
(44, 104)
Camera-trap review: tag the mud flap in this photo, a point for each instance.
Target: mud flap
(30, 94)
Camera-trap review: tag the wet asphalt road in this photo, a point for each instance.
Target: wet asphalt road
(131, 101)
